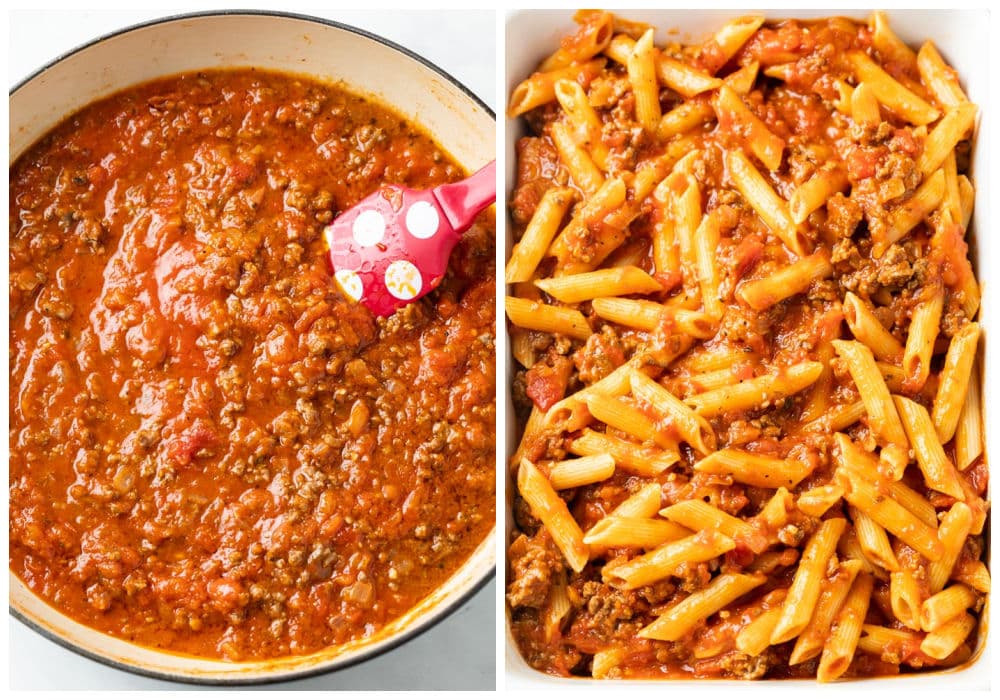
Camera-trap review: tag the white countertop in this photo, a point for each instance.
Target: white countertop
(467, 638)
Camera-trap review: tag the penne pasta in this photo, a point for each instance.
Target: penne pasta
(839, 418)
(544, 225)
(890, 47)
(905, 598)
(810, 641)
(921, 336)
(605, 661)
(539, 89)
(618, 281)
(590, 39)
(572, 241)
(570, 413)
(559, 606)
(874, 542)
(642, 73)
(886, 511)
(954, 382)
(634, 313)
(684, 79)
(868, 330)
(955, 527)
(638, 459)
(942, 642)
(647, 533)
(743, 78)
(756, 636)
(772, 210)
(586, 125)
(628, 419)
(864, 106)
(939, 472)
(974, 574)
(734, 117)
(754, 470)
(761, 294)
(814, 192)
(585, 174)
(730, 38)
(678, 620)
(943, 138)
(684, 118)
(555, 516)
(663, 561)
(939, 78)
(819, 499)
(879, 641)
(890, 93)
(705, 244)
(571, 473)
(691, 427)
(882, 416)
(945, 606)
(544, 317)
(839, 649)
(806, 586)
(697, 515)
(907, 215)
(969, 431)
(752, 393)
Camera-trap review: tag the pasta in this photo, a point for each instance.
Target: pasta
(747, 328)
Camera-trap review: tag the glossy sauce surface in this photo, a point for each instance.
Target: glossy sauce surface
(212, 450)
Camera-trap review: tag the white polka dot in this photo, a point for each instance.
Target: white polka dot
(422, 220)
(403, 280)
(368, 228)
(350, 284)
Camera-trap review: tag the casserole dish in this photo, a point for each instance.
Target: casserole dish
(542, 30)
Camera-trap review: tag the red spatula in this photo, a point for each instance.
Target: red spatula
(392, 247)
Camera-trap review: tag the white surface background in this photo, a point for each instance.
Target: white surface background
(458, 653)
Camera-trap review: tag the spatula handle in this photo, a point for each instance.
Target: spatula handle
(462, 201)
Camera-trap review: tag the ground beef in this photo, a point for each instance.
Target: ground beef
(605, 607)
(902, 166)
(894, 268)
(533, 562)
(657, 593)
(600, 356)
(693, 576)
(900, 267)
(842, 218)
(738, 665)
(537, 170)
(523, 518)
(953, 318)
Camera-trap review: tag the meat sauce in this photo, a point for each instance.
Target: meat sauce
(214, 452)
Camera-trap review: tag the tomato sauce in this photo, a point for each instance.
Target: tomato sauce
(214, 452)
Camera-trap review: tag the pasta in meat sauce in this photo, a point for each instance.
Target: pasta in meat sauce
(743, 315)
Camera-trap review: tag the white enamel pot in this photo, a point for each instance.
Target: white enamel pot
(365, 64)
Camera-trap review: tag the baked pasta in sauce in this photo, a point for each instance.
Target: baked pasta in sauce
(743, 316)
(212, 450)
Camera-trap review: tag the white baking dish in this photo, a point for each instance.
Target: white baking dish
(962, 37)
(326, 51)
